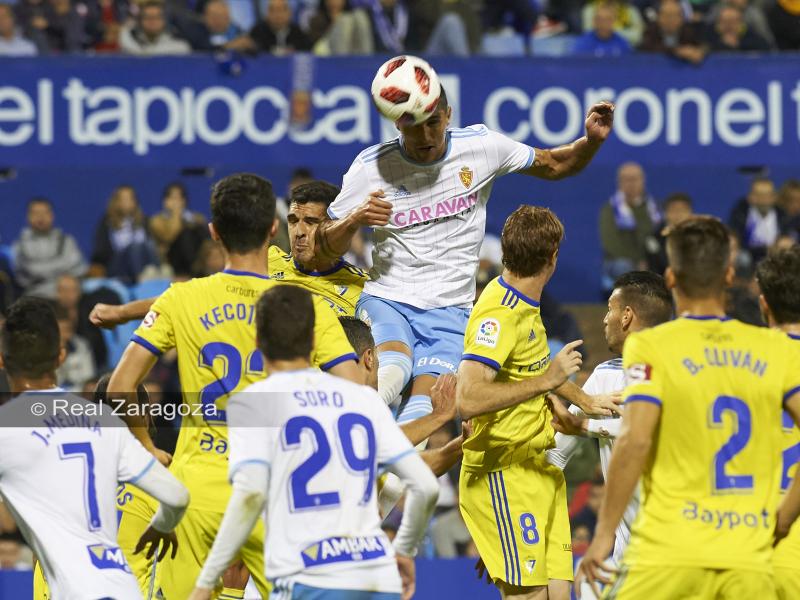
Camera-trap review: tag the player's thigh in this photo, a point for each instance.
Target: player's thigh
(252, 555)
(131, 528)
(787, 583)
(661, 583)
(735, 584)
(386, 320)
(304, 592)
(195, 533)
(438, 340)
(558, 536)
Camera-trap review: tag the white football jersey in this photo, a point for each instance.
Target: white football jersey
(58, 477)
(324, 440)
(427, 256)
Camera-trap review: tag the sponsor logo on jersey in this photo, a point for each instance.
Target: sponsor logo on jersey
(401, 192)
(278, 275)
(436, 362)
(344, 549)
(488, 332)
(465, 175)
(638, 373)
(150, 319)
(108, 557)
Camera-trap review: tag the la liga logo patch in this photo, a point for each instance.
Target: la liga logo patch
(488, 332)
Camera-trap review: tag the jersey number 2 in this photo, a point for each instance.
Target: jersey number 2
(723, 481)
(224, 386)
(83, 451)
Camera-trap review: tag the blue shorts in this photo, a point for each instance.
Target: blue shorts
(304, 592)
(435, 336)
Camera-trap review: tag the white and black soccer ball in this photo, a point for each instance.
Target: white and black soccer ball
(406, 90)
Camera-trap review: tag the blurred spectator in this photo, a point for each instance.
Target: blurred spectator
(627, 222)
(70, 299)
(14, 555)
(55, 26)
(757, 220)
(602, 40)
(784, 20)
(11, 41)
(519, 14)
(789, 202)
(754, 18)
(43, 252)
(210, 259)
(276, 34)
(677, 208)
(78, 366)
(730, 34)
(122, 247)
(671, 34)
(389, 23)
(581, 538)
(442, 27)
(588, 514)
(627, 20)
(338, 30)
(215, 30)
(149, 36)
(110, 15)
(177, 231)
(299, 176)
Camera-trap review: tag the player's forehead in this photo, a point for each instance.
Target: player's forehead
(316, 210)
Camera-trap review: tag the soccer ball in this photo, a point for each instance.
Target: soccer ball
(406, 90)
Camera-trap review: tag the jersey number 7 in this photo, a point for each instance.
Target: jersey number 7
(83, 450)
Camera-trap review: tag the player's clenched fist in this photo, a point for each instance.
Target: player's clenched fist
(565, 364)
(599, 121)
(373, 212)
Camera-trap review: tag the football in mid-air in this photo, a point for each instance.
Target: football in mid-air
(406, 90)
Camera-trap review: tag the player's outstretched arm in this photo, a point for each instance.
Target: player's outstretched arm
(333, 237)
(789, 509)
(107, 316)
(565, 161)
(477, 393)
(627, 464)
(600, 404)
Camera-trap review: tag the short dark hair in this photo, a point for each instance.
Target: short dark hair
(778, 276)
(101, 389)
(647, 293)
(242, 211)
(678, 198)
(39, 200)
(531, 236)
(358, 334)
(285, 323)
(31, 342)
(172, 185)
(699, 253)
(314, 192)
(443, 103)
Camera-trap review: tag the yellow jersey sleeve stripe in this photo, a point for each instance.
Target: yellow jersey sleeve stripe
(643, 398)
(332, 363)
(791, 393)
(482, 359)
(146, 345)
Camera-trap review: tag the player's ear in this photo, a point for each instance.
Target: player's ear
(368, 359)
(627, 317)
(766, 313)
(62, 356)
(669, 278)
(730, 276)
(212, 231)
(274, 230)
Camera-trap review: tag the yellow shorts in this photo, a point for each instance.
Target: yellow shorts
(787, 582)
(689, 583)
(131, 528)
(196, 533)
(519, 522)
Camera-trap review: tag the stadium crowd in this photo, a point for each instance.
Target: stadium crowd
(688, 30)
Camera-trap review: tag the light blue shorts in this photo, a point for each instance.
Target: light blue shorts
(435, 336)
(304, 592)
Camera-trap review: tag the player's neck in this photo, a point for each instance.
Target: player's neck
(251, 262)
(20, 385)
(790, 328)
(699, 307)
(529, 286)
(294, 364)
(318, 265)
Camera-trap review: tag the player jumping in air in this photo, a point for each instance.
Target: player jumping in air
(73, 528)
(702, 427)
(307, 447)
(779, 279)
(426, 194)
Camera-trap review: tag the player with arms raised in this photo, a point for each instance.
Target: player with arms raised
(702, 426)
(426, 194)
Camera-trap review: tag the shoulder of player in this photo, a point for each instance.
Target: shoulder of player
(377, 151)
(477, 130)
(615, 364)
(277, 253)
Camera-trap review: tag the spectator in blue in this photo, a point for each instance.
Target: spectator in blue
(122, 247)
(602, 40)
(214, 31)
(757, 220)
(11, 41)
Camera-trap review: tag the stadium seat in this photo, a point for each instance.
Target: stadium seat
(149, 288)
(504, 43)
(92, 285)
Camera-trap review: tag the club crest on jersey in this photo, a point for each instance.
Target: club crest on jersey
(530, 564)
(638, 373)
(107, 557)
(488, 332)
(150, 319)
(465, 175)
(343, 549)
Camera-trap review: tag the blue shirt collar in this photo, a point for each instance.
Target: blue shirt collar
(521, 296)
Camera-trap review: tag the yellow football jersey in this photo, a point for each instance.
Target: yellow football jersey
(710, 488)
(787, 553)
(505, 332)
(211, 323)
(339, 286)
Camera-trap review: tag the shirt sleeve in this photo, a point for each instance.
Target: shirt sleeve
(490, 336)
(644, 377)
(391, 443)
(156, 332)
(331, 345)
(250, 436)
(511, 156)
(791, 386)
(353, 191)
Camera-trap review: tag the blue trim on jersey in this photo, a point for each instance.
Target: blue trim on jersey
(615, 364)
(522, 296)
(465, 132)
(143, 471)
(530, 160)
(421, 164)
(482, 359)
(146, 345)
(500, 530)
(643, 398)
(245, 273)
(339, 265)
(332, 363)
(794, 336)
(331, 214)
(511, 527)
(250, 461)
(791, 393)
(396, 458)
(705, 318)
